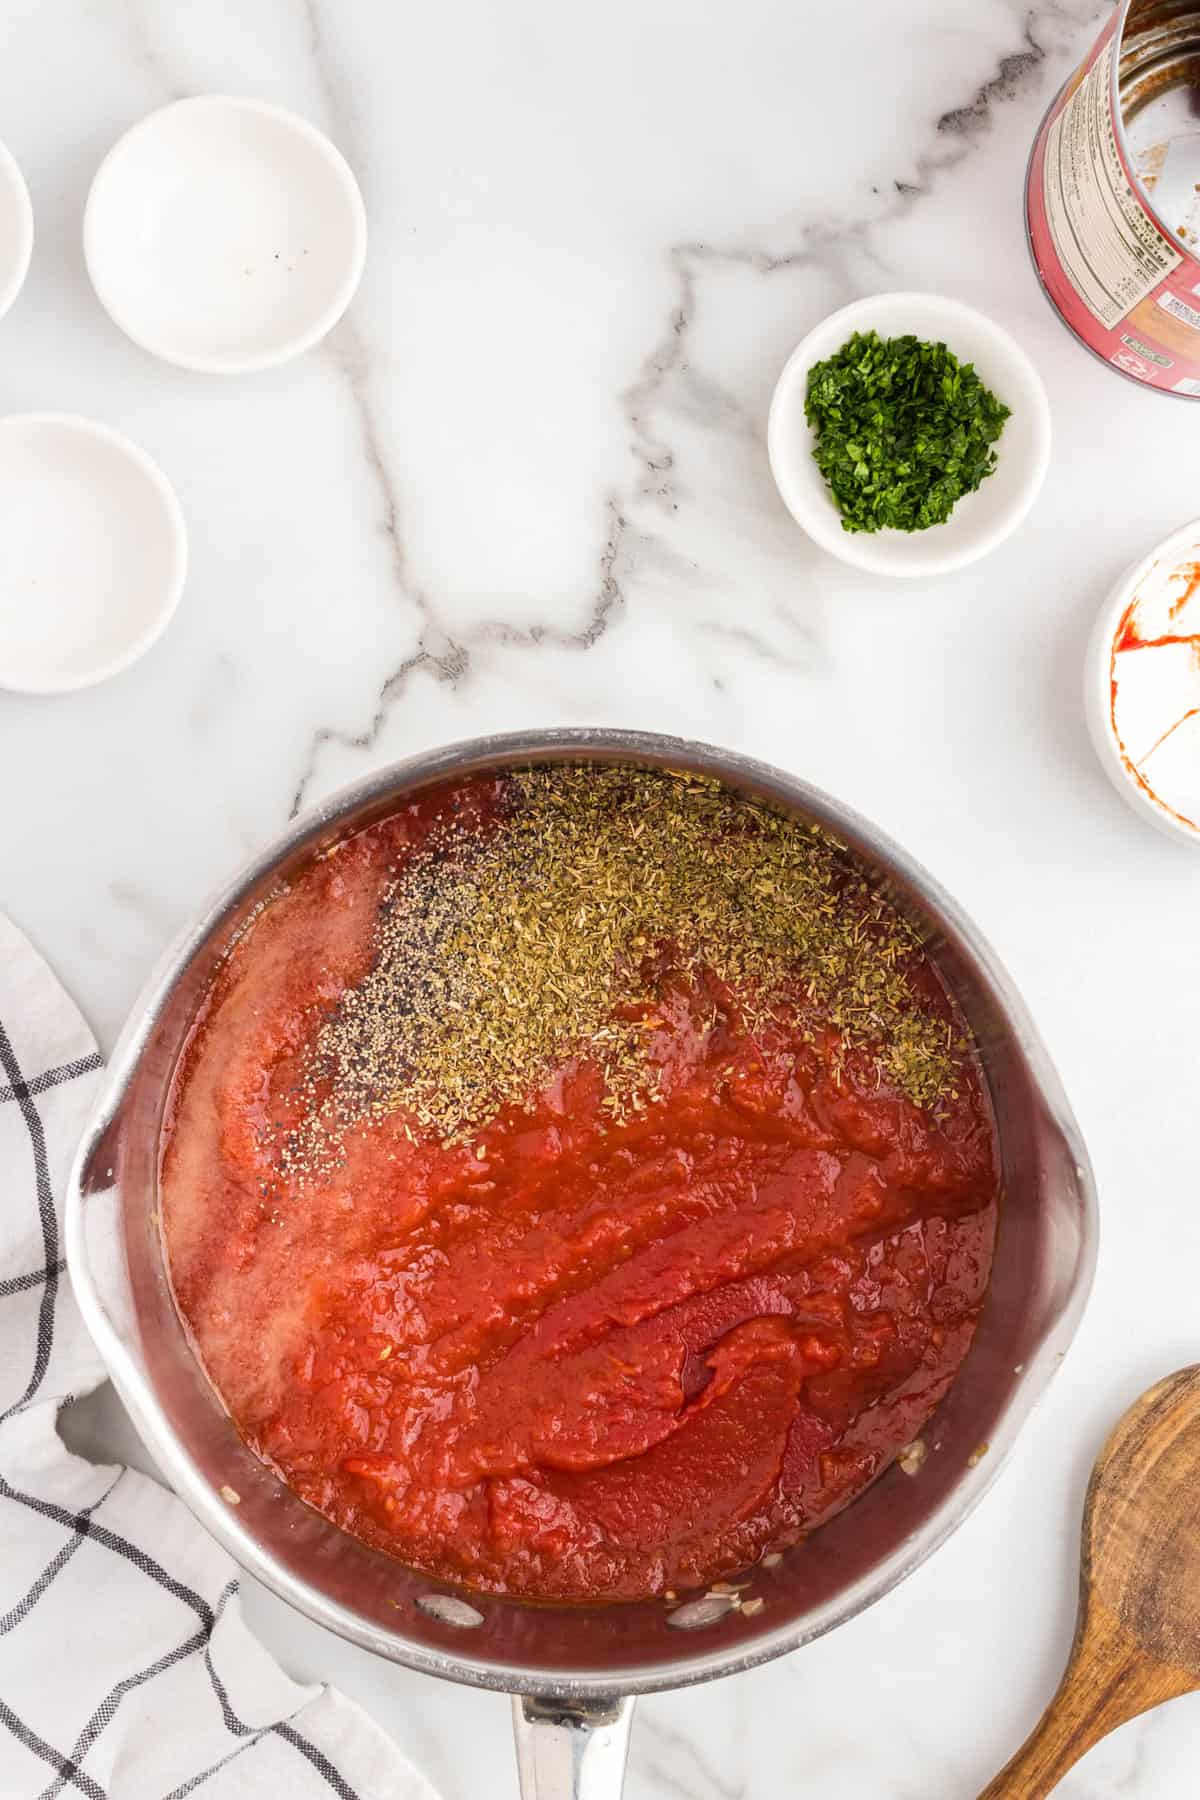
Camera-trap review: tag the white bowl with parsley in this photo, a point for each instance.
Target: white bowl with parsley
(909, 434)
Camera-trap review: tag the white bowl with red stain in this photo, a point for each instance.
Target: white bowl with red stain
(1142, 685)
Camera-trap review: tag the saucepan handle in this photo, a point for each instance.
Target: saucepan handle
(571, 1749)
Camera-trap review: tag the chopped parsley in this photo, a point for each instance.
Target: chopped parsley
(903, 431)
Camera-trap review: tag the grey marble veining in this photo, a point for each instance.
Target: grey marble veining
(523, 484)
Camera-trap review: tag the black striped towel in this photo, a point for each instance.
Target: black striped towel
(126, 1671)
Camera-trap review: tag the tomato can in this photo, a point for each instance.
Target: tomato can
(1112, 197)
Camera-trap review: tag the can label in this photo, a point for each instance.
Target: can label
(1125, 286)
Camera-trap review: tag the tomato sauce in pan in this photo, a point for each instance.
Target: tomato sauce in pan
(570, 1358)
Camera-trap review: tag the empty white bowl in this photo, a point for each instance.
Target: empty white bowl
(16, 230)
(980, 520)
(224, 234)
(93, 552)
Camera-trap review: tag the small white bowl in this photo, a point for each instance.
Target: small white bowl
(224, 234)
(981, 520)
(16, 230)
(1182, 547)
(93, 552)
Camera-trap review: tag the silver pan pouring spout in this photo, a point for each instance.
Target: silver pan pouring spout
(575, 1669)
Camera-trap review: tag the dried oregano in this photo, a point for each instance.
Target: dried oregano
(504, 952)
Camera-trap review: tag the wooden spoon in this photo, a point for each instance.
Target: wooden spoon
(1137, 1639)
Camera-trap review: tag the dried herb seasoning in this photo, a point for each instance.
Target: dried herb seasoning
(903, 431)
(501, 953)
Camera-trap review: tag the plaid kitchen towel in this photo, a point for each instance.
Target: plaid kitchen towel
(126, 1671)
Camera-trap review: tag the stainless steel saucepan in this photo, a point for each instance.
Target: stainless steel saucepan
(575, 1670)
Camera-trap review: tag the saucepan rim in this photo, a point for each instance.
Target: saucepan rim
(693, 1664)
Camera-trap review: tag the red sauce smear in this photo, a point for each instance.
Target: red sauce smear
(1128, 638)
(571, 1360)
(1191, 572)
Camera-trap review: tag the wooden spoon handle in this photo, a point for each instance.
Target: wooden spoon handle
(1054, 1745)
(1108, 1681)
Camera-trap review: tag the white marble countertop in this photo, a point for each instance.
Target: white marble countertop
(525, 484)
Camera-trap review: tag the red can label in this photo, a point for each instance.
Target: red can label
(1127, 288)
